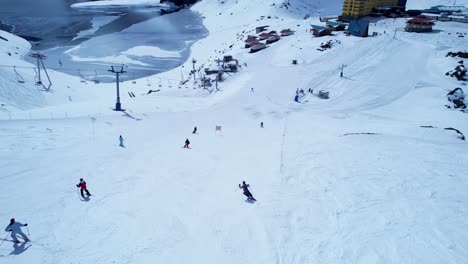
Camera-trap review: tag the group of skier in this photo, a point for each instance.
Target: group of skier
(15, 227)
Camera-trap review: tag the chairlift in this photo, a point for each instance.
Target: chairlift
(19, 78)
(36, 78)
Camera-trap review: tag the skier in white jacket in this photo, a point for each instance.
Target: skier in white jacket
(15, 229)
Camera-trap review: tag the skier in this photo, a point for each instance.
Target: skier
(261, 124)
(82, 186)
(187, 143)
(194, 130)
(251, 90)
(245, 188)
(121, 140)
(15, 228)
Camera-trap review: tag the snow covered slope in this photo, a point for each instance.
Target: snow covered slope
(369, 176)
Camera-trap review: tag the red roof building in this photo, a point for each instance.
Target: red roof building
(419, 24)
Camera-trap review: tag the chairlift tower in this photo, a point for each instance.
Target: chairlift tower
(194, 61)
(39, 57)
(117, 70)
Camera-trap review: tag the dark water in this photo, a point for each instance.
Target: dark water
(53, 28)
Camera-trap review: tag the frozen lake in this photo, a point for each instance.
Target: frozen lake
(85, 42)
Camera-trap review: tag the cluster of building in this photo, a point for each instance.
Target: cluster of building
(442, 13)
(264, 37)
(423, 21)
(358, 28)
(355, 9)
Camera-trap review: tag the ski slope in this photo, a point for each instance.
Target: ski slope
(352, 179)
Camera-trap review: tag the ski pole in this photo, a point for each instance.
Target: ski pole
(4, 239)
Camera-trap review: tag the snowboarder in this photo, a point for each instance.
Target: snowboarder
(194, 130)
(82, 186)
(121, 140)
(15, 228)
(261, 124)
(187, 143)
(245, 188)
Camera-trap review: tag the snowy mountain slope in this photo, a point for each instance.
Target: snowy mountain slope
(352, 179)
(15, 95)
(313, 8)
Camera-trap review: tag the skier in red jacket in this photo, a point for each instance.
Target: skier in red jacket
(82, 186)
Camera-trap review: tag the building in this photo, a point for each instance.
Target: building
(462, 19)
(336, 26)
(261, 29)
(353, 9)
(448, 10)
(286, 32)
(273, 38)
(419, 24)
(257, 46)
(320, 31)
(358, 28)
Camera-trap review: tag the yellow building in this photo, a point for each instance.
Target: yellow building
(357, 8)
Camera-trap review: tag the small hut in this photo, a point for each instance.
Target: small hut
(419, 24)
(272, 38)
(261, 29)
(264, 36)
(250, 40)
(336, 26)
(257, 46)
(320, 31)
(286, 32)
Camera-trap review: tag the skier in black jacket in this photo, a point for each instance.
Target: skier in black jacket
(245, 188)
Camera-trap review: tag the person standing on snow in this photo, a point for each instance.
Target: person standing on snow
(15, 229)
(121, 140)
(82, 186)
(194, 130)
(261, 124)
(187, 143)
(245, 188)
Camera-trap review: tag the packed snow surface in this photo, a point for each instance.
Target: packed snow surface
(370, 175)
